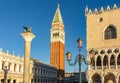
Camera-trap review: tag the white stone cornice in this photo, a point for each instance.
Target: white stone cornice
(57, 39)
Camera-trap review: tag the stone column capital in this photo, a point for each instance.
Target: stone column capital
(28, 36)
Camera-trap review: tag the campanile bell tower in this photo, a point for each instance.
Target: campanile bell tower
(57, 43)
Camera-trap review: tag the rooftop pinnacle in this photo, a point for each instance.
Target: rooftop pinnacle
(57, 16)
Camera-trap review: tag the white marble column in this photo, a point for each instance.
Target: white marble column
(117, 79)
(95, 64)
(102, 62)
(30, 69)
(17, 67)
(102, 79)
(109, 63)
(28, 37)
(116, 66)
(22, 68)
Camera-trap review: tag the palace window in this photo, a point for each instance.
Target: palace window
(19, 68)
(14, 67)
(110, 33)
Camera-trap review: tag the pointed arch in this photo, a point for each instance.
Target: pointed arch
(118, 60)
(112, 60)
(96, 78)
(98, 61)
(105, 60)
(110, 78)
(110, 32)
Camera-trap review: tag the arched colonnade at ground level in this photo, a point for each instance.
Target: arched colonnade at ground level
(108, 77)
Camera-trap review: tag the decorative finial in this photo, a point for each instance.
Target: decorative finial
(108, 8)
(96, 11)
(115, 6)
(102, 9)
(86, 10)
(90, 11)
(58, 5)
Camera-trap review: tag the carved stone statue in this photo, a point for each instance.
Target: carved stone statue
(27, 29)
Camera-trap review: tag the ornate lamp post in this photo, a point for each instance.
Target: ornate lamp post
(79, 58)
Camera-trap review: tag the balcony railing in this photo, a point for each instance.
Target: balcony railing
(106, 67)
(99, 67)
(112, 67)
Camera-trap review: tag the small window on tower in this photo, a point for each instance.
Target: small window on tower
(55, 34)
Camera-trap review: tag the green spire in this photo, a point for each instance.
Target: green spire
(58, 17)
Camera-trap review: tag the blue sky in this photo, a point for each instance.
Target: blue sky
(38, 14)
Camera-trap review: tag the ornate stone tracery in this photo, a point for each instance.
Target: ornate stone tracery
(105, 61)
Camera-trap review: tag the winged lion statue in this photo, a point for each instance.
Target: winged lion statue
(27, 29)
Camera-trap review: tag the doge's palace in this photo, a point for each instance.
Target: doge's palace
(103, 35)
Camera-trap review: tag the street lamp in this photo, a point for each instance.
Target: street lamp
(79, 58)
(5, 74)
